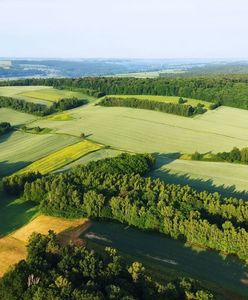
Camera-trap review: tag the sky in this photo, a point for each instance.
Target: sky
(124, 28)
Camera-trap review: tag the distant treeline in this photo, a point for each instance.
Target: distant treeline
(55, 272)
(230, 90)
(171, 108)
(40, 109)
(4, 127)
(236, 155)
(115, 189)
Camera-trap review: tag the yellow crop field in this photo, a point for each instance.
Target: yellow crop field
(13, 247)
(60, 117)
(62, 157)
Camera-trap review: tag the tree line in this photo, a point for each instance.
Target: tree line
(40, 109)
(4, 127)
(112, 189)
(52, 271)
(229, 90)
(171, 108)
(236, 155)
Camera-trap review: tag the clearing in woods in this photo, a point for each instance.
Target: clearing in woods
(168, 99)
(40, 94)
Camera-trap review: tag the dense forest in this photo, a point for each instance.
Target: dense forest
(236, 155)
(171, 108)
(117, 189)
(40, 109)
(230, 90)
(5, 127)
(52, 272)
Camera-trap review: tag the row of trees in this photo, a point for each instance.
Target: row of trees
(4, 127)
(114, 189)
(230, 90)
(236, 155)
(171, 108)
(40, 109)
(77, 273)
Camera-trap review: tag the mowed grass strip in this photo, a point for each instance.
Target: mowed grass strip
(13, 247)
(15, 117)
(51, 94)
(167, 99)
(61, 158)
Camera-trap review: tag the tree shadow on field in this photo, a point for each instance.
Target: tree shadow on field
(185, 179)
(14, 213)
(6, 136)
(164, 159)
(7, 168)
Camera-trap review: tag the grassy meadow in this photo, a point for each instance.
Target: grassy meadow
(40, 94)
(167, 99)
(50, 94)
(150, 131)
(61, 157)
(226, 178)
(15, 117)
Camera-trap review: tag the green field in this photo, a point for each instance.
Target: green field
(226, 178)
(20, 149)
(138, 131)
(15, 117)
(40, 94)
(167, 99)
(150, 131)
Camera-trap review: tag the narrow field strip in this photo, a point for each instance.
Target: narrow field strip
(167, 99)
(61, 157)
(13, 247)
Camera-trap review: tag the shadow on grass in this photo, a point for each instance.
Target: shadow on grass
(8, 168)
(6, 136)
(14, 213)
(186, 179)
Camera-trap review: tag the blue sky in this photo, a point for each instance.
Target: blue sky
(124, 28)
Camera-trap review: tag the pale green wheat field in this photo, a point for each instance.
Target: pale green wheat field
(151, 131)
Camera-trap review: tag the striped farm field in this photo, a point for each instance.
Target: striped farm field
(51, 94)
(40, 94)
(142, 131)
(61, 158)
(15, 117)
(20, 149)
(168, 99)
(226, 178)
